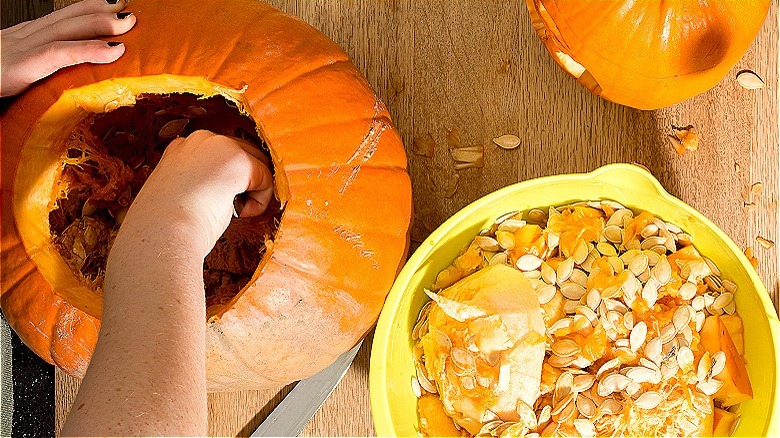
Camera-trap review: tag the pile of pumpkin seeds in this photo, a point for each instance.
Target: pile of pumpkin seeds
(652, 365)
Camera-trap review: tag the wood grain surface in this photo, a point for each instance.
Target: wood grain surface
(474, 70)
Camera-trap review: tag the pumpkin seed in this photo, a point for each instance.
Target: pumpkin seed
(730, 286)
(764, 242)
(537, 215)
(585, 428)
(653, 349)
(650, 292)
(499, 258)
(463, 359)
(723, 300)
(709, 387)
(505, 239)
(583, 382)
(650, 231)
(487, 243)
(681, 318)
(638, 264)
(612, 383)
(668, 333)
(687, 291)
(565, 269)
(749, 80)
(173, 128)
(560, 362)
(704, 367)
(416, 387)
(640, 374)
(611, 407)
(608, 366)
(548, 273)
(581, 252)
(718, 363)
(195, 111)
(88, 208)
(511, 225)
(425, 383)
(544, 415)
(528, 262)
(648, 400)
(638, 336)
(565, 347)
(662, 271)
(511, 215)
(546, 294)
(614, 234)
(593, 299)
(507, 141)
(573, 291)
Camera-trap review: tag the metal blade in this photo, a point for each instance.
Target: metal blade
(296, 410)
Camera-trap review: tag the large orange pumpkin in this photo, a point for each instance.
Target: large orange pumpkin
(340, 173)
(647, 54)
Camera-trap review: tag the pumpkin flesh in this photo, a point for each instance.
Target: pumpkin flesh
(108, 158)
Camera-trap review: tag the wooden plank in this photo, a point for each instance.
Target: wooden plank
(478, 69)
(16, 11)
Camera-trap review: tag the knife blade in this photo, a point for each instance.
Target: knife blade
(299, 406)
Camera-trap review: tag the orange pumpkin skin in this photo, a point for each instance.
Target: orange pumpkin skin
(340, 169)
(647, 54)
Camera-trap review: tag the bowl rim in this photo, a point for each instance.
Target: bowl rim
(380, 408)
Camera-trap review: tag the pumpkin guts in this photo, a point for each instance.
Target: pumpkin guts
(109, 157)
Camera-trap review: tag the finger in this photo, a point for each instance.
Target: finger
(84, 7)
(83, 27)
(260, 189)
(252, 150)
(199, 136)
(51, 57)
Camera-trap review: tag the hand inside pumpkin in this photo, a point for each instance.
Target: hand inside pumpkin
(35, 49)
(194, 185)
(148, 372)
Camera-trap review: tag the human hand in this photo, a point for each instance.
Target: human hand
(35, 49)
(193, 187)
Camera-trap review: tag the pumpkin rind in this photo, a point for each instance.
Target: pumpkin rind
(336, 253)
(651, 54)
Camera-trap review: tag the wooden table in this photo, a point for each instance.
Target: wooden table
(476, 68)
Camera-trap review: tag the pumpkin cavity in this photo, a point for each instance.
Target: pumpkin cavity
(108, 158)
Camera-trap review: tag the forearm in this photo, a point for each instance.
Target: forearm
(147, 376)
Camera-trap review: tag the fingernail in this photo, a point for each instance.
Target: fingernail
(113, 43)
(121, 15)
(111, 2)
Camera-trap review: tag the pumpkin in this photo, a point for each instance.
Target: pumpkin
(647, 54)
(340, 179)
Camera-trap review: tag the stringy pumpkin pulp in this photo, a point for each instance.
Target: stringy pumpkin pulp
(109, 157)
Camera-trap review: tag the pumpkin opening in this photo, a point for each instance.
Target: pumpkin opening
(108, 158)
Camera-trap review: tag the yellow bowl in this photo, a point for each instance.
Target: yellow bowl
(393, 404)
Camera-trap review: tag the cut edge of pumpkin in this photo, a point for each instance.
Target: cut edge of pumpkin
(33, 198)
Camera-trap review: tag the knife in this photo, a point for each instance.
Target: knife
(296, 410)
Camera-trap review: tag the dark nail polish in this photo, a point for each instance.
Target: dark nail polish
(113, 43)
(111, 2)
(121, 15)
